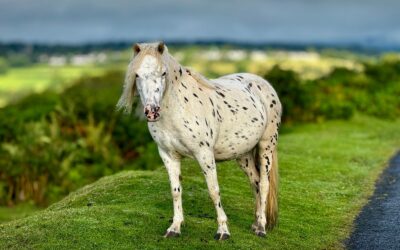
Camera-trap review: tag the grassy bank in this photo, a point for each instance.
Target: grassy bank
(327, 172)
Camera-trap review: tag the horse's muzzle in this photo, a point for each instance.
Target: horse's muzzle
(152, 112)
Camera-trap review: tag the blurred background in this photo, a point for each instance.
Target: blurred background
(62, 66)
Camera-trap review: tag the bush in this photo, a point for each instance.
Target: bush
(383, 73)
(293, 94)
(53, 144)
(375, 91)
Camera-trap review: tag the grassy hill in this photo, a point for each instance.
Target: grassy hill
(327, 173)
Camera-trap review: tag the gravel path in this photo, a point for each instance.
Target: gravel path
(378, 225)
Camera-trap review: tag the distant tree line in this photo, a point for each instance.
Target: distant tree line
(35, 49)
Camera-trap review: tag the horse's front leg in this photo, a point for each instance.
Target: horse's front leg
(207, 163)
(173, 166)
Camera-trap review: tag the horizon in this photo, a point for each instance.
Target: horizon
(52, 47)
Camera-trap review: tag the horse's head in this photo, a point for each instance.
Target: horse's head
(150, 81)
(148, 72)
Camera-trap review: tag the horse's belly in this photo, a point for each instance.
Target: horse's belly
(237, 141)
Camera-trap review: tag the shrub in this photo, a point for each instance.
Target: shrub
(293, 94)
(338, 95)
(55, 143)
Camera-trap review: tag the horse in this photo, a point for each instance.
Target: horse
(236, 116)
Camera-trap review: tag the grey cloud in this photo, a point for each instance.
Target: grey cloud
(253, 20)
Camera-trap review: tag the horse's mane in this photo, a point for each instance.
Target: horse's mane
(127, 97)
(201, 79)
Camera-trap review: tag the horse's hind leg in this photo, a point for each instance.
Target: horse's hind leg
(207, 163)
(267, 159)
(248, 165)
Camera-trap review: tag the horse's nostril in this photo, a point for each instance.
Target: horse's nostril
(146, 111)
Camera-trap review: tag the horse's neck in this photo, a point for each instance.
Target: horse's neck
(172, 98)
(182, 85)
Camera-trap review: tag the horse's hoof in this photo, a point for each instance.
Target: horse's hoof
(261, 234)
(223, 236)
(171, 234)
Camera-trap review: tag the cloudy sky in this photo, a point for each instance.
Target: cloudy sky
(290, 21)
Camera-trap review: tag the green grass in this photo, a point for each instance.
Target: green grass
(327, 173)
(17, 212)
(37, 78)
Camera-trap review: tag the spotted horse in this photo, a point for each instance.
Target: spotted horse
(235, 116)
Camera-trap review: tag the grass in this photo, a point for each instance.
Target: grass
(327, 173)
(17, 212)
(37, 78)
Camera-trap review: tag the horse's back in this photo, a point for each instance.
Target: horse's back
(258, 86)
(242, 74)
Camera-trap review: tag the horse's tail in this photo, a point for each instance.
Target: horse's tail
(272, 199)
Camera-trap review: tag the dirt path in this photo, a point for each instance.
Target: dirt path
(378, 225)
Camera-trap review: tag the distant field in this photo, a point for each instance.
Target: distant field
(211, 61)
(215, 61)
(18, 82)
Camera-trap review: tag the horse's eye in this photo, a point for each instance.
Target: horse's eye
(163, 74)
(136, 75)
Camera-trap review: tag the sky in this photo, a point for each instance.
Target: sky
(287, 21)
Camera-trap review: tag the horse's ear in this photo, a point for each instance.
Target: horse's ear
(161, 47)
(136, 48)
